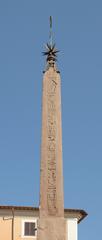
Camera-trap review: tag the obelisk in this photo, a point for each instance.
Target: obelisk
(51, 223)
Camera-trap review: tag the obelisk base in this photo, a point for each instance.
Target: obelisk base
(52, 228)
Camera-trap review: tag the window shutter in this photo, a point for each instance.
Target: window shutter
(29, 229)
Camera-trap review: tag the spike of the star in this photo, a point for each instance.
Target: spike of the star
(56, 51)
(48, 45)
(53, 46)
(45, 53)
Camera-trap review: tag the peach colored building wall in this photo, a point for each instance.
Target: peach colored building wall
(6, 226)
(5, 229)
(22, 214)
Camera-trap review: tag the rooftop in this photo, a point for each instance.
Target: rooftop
(68, 213)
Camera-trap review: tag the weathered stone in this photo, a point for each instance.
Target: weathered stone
(52, 229)
(51, 223)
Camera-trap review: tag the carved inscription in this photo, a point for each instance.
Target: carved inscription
(51, 147)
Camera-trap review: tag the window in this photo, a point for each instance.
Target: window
(29, 228)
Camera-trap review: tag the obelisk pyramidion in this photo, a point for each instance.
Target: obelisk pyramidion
(51, 223)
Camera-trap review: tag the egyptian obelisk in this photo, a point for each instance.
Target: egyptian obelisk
(51, 223)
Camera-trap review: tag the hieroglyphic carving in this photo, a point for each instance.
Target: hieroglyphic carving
(51, 147)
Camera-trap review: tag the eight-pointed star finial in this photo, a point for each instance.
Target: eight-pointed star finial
(51, 52)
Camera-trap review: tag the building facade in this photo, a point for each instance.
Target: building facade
(20, 223)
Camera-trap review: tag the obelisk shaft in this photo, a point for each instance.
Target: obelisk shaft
(51, 222)
(51, 177)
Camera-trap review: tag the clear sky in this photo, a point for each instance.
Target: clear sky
(24, 29)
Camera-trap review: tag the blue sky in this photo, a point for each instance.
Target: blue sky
(77, 28)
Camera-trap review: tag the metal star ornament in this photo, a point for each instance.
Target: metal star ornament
(51, 52)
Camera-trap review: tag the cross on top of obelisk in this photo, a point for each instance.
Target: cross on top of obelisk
(51, 51)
